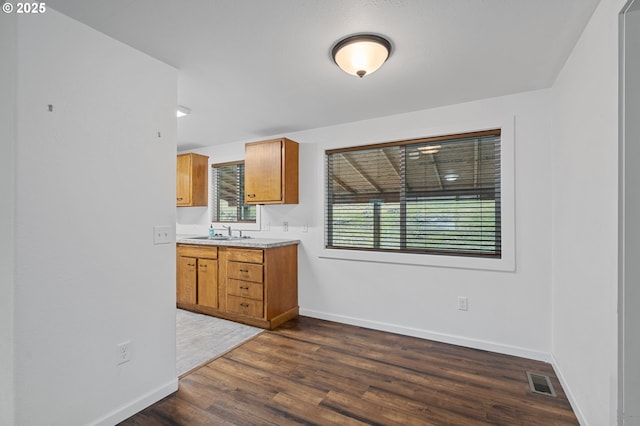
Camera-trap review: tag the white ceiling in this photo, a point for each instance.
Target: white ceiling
(250, 69)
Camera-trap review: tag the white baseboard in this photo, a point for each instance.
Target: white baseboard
(137, 405)
(431, 335)
(567, 390)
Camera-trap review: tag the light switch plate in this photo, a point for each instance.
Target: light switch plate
(162, 234)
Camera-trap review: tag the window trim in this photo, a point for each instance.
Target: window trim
(241, 226)
(507, 173)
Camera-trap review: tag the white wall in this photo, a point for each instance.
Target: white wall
(585, 219)
(8, 68)
(630, 233)
(92, 178)
(508, 311)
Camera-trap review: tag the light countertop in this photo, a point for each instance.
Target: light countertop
(236, 242)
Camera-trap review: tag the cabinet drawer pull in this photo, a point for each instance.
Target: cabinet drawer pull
(244, 288)
(251, 195)
(203, 266)
(191, 264)
(179, 199)
(244, 270)
(244, 305)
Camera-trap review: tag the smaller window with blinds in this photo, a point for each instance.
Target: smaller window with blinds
(437, 195)
(227, 194)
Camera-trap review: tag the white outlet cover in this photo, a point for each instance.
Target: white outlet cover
(123, 352)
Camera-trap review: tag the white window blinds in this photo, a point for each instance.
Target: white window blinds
(438, 196)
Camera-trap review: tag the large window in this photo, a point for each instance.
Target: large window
(227, 201)
(437, 196)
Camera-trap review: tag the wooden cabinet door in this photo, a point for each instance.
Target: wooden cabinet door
(183, 180)
(263, 172)
(186, 280)
(208, 283)
(191, 180)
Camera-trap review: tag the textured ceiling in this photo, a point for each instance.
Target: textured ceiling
(250, 69)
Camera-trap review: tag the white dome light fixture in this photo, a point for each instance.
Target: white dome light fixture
(361, 54)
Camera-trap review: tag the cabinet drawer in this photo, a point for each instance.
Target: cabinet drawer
(245, 255)
(245, 271)
(207, 252)
(245, 289)
(244, 306)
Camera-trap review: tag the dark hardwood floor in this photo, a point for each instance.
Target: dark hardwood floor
(310, 371)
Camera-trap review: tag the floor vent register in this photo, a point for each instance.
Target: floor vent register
(541, 384)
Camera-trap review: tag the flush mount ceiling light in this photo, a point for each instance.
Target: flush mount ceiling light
(361, 54)
(182, 111)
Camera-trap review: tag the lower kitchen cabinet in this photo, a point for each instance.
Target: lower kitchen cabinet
(254, 286)
(208, 282)
(186, 280)
(197, 276)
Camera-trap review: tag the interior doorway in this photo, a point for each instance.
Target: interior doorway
(629, 233)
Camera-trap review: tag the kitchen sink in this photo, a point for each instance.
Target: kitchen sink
(219, 238)
(206, 237)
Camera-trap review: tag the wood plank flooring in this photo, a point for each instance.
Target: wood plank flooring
(310, 371)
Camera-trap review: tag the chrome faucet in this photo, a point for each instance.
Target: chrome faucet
(228, 228)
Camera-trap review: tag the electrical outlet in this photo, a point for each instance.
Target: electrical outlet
(162, 234)
(463, 303)
(285, 226)
(123, 352)
(305, 228)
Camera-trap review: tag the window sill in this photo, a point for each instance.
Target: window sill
(506, 263)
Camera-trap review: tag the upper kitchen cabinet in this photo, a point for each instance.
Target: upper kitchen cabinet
(271, 172)
(191, 180)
